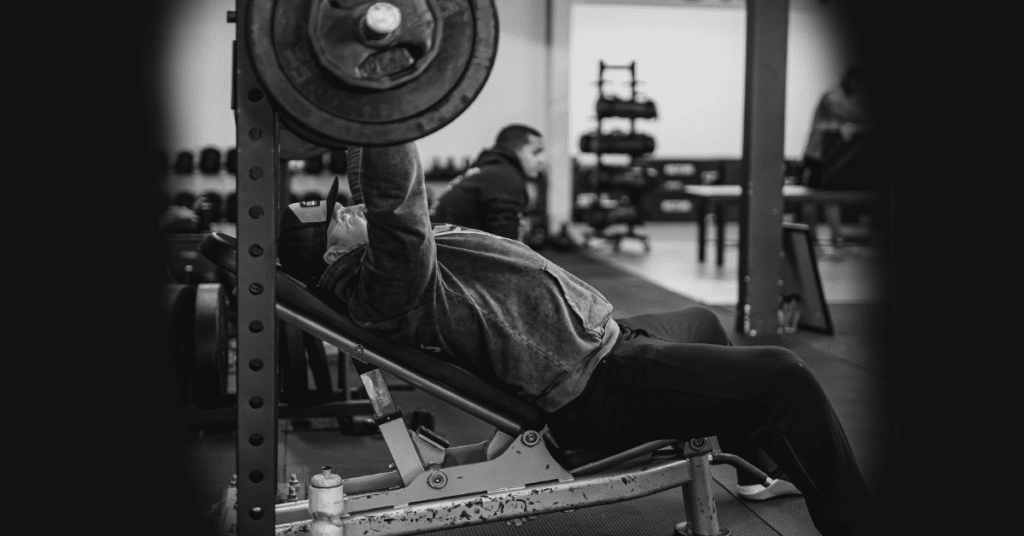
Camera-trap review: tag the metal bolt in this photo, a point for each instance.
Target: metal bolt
(255, 326)
(437, 479)
(255, 289)
(531, 438)
(359, 349)
(293, 487)
(697, 442)
(255, 250)
(381, 19)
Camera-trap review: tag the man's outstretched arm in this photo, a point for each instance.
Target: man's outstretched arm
(399, 265)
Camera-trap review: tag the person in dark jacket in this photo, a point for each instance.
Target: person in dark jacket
(497, 308)
(842, 113)
(491, 195)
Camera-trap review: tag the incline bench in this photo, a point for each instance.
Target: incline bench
(519, 472)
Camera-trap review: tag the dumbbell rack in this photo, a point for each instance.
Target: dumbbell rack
(600, 232)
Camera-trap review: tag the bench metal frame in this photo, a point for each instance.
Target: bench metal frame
(519, 472)
(434, 486)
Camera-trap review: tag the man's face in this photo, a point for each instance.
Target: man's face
(532, 156)
(346, 229)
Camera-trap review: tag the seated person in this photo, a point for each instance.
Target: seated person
(839, 146)
(504, 312)
(491, 195)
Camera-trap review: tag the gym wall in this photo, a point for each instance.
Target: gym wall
(691, 60)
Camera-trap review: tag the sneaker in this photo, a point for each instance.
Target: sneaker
(757, 492)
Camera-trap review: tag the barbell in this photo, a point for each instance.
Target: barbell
(356, 72)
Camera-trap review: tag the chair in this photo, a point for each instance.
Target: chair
(519, 472)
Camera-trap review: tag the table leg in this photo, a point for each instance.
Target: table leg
(720, 231)
(811, 219)
(702, 212)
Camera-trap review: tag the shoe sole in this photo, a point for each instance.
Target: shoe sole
(757, 492)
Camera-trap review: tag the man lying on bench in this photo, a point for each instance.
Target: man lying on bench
(496, 307)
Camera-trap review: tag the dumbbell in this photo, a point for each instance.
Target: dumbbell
(208, 207)
(209, 161)
(184, 163)
(232, 161)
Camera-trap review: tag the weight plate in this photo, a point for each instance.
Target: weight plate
(375, 45)
(177, 309)
(414, 102)
(210, 365)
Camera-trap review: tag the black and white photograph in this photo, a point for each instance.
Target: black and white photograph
(519, 267)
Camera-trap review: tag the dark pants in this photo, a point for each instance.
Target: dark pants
(675, 375)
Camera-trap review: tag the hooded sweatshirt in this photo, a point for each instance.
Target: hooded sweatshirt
(490, 196)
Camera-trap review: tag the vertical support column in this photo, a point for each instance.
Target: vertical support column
(256, 183)
(560, 169)
(763, 167)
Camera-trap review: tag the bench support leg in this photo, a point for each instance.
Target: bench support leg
(699, 501)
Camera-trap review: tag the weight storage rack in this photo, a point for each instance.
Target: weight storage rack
(618, 189)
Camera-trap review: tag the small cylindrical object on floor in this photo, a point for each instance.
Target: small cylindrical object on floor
(326, 502)
(293, 488)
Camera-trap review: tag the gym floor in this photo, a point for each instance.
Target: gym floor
(850, 364)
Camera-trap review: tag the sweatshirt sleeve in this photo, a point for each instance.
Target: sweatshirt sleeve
(399, 266)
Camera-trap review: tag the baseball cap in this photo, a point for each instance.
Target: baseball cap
(302, 237)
